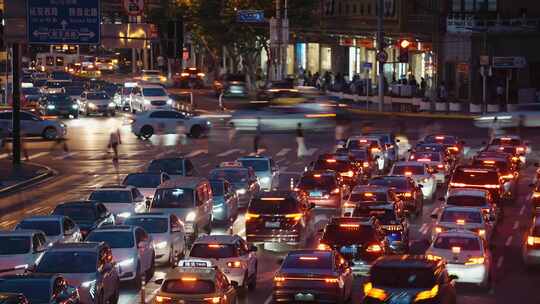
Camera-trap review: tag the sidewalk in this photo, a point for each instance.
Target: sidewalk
(14, 178)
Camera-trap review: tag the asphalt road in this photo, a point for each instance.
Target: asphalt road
(89, 165)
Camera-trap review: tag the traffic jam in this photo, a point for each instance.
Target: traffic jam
(367, 190)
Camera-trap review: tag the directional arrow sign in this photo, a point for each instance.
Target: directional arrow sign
(63, 21)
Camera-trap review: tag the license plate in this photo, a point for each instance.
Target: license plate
(272, 224)
(304, 297)
(401, 298)
(348, 250)
(193, 76)
(315, 193)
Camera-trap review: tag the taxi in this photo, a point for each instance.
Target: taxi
(436, 161)
(231, 254)
(195, 281)
(452, 144)
(531, 244)
(507, 170)
(467, 256)
(365, 194)
(363, 158)
(325, 189)
(316, 276)
(523, 147)
(375, 146)
(479, 178)
(421, 173)
(243, 179)
(360, 240)
(344, 167)
(463, 218)
(265, 168)
(406, 189)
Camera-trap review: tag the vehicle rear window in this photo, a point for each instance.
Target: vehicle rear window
(467, 216)
(97, 96)
(154, 92)
(398, 183)
(465, 243)
(217, 187)
(258, 165)
(116, 239)
(30, 91)
(401, 277)
(447, 140)
(431, 147)
(77, 213)
(308, 261)
(466, 201)
(111, 196)
(150, 224)
(213, 251)
(508, 141)
(475, 177)
(14, 245)
(169, 166)
(74, 90)
(370, 197)
(143, 180)
(386, 216)
(36, 291)
(322, 181)
(67, 262)
(265, 206)
(338, 235)
(231, 175)
(188, 286)
(50, 228)
(405, 170)
(339, 166)
(428, 156)
(360, 144)
(174, 198)
(502, 166)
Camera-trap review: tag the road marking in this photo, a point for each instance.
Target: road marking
(205, 165)
(508, 241)
(516, 225)
(522, 211)
(424, 226)
(67, 155)
(311, 151)
(196, 153)
(500, 261)
(227, 153)
(40, 154)
(283, 152)
(268, 300)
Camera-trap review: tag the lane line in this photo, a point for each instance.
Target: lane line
(283, 152)
(508, 241)
(67, 155)
(500, 262)
(268, 300)
(516, 225)
(424, 225)
(227, 153)
(196, 153)
(40, 154)
(522, 211)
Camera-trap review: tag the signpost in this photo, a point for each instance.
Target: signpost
(509, 62)
(250, 16)
(63, 22)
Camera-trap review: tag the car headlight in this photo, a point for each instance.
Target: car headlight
(126, 262)
(75, 106)
(208, 123)
(124, 214)
(241, 191)
(146, 101)
(264, 180)
(92, 105)
(50, 107)
(169, 101)
(160, 245)
(190, 217)
(112, 104)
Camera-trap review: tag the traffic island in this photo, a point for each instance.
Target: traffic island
(16, 177)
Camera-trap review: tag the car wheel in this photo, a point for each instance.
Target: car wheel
(50, 133)
(116, 295)
(76, 116)
(253, 282)
(196, 131)
(147, 132)
(133, 111)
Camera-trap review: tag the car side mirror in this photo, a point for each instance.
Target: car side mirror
(253, 248)
(397, 140)
(312, 206)
(434, 216)
(453, 277)
(159, 281)
(441, 199)
(234, 284)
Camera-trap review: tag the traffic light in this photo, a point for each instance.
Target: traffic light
(404, 45)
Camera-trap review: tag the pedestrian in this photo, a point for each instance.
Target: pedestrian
(443, 94)
(493, 130)
(60, 141)
(257, 138)
(423, 86)
(114, 141)
(301, 152)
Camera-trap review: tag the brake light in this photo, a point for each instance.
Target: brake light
(368, 194)
(536, 194)
(347, 174)
(213, 300)
(455, 149)
(433, 257)
(375, 150)
(331, 160)
(235, 264)
(440, 166)
(161, 299)
(456, 250)
(308, 258)
(349, 225)
(252, 216)
(482, 232)
(294, 216)
(489, 162)
(363, 141)
(375, 248)
(438, 229)
(214, 246)
(323, 246)
(407, 194)
(279, 279)
(423, 160)
(200, 74)
(184, 74)
(189, 279)
(316, 175)
(335, 191)
(331, 280)
(533, 240)
(365, 165)
(439, 137)
(475, 261)
(349, 205)
(427, 294)
(460, 222)
(408, 173)
(375, 293)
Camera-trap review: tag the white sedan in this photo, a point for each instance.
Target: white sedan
(33, 125)
(421, 173)
(163, 122)
(528, 115)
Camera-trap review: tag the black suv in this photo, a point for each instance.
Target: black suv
(89, 215)
(406, 189)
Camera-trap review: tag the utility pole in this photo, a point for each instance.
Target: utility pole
(279, 39)
(380, 49)
(16, 127)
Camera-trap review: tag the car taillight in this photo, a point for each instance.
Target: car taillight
(375, 293)
(164, 300)
(323, 246)
(438, 229)
(427, 294)
(213, 300)
(536, 194)
(349, 205)
(407, 194)
(252, 216)
(294, 216)
(454, 149)
(440, 166)
(374, 248)
(235, 264)
(365, 165)
(475, 261)
(279, 279)
(532, 240)
(481, 232)
(508, 176)
(335, 191)
(347, 174)
(331, 280)
(521, 149)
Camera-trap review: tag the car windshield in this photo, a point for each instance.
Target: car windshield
(59, 99)
(217, 187)
(36, 291)
(176, 286)
(115, 239)
(359, 154)
(408, 170)
(143, 180)
(371, 197)
(240, 78)
(337, 165)
(231, 175)
(169, 166)
(60, 76)
(149, 224)
(347, 234)
(403, 277)
(213, 251)
(14, 245)
(506, 141)
(475, 177)
(50, 228)
(30, 91)
(465, 243)
(111, 196)
(398, 183)
(259, 165)
(317, 181)
(501, 165)
(454, 216)
(77, 213)
(72, 91)
(154, 92)
(308, 261)
(361, 144)
(425, 156)
(277, 205)
(386, 216)
(97, 96)
(67, 262)
(429, 147)
(436, 139)
(174, 198)
(466, 201)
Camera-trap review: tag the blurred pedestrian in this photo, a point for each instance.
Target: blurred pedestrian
(24, 148)
(500, 99)
(257, 139)
(114, 141)
(60, 141)
(302, 151)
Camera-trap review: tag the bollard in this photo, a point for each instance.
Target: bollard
(143, 287)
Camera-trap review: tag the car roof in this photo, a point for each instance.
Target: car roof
(365, 221)
(410, 163)
(81, 203)
(30, 275)
(217, 239)
(81, 246)
(276, 193)
(116, 186)
(321, 172)
(459, 232)
(113, 188)
(370, 188)
(115, 228)
(21, 232)
(310, 252)
(477, 169)
(206, 273)
(184, 181)
(260, 157)
(511, 136)
(467, 192)
(151, 214)
(407, 261)
(151, 86)
(44, 217)
(462, 209)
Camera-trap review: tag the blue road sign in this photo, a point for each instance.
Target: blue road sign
(250, 16)
(367, 65)
(63, 21)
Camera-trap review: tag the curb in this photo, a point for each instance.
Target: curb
(419, 115)
(34, 180)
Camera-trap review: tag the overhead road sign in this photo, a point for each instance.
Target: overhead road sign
(250, 16)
